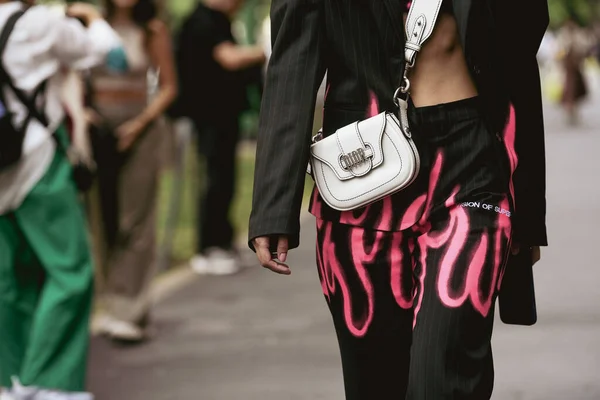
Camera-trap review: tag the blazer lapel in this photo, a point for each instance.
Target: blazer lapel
(462, 10)
(390, 12)
(390, 22)
(395, 17)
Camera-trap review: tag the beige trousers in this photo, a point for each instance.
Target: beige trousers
(130, 260)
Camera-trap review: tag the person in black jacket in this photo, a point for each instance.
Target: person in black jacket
(214, 73)
(411, 280)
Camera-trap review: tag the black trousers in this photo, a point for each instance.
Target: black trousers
(413, 309)
(217, 144)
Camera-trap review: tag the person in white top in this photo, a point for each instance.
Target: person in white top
(46, 272)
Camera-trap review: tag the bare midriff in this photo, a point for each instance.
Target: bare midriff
(440, 74)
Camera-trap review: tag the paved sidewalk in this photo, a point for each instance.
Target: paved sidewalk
(257, 336)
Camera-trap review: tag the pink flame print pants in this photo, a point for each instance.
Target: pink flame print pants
(413, 309)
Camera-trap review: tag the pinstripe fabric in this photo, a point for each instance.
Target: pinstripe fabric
(295, 72)
(413, 310)
(360, 45)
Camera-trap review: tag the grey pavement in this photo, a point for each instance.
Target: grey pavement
(258, 336)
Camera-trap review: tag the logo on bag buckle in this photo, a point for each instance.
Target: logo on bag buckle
(353, 158)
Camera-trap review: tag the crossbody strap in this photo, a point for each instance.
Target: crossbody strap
(8, 28)
(419, 26)
(30, 102)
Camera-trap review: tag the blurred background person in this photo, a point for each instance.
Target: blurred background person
(214, 72)
(596, 39)
(575, 47)
(127, 150)
(46, 271)
(548, 50)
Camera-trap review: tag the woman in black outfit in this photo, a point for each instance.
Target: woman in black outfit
(411, 280)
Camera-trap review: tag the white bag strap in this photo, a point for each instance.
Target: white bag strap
(419, 26)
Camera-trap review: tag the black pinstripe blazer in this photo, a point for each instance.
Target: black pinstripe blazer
(360, 45)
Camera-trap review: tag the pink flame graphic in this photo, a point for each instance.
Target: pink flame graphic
(331, 271)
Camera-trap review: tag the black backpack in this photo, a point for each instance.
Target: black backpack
(11, 136)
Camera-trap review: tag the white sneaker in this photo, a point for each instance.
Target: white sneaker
(20, 392)
(6, 395)
(200, 265)
(44, 394)
(120, 330)
(216, 262)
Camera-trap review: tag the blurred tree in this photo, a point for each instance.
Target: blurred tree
(178, 9)
(585, 11)
(250, 16)
(255, 11)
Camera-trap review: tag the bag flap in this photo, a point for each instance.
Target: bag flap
(358, 141)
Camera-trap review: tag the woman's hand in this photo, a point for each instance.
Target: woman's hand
(92, 117)
(84, 11)
(77, 155)
(536, 253)
(274, 262)
(128, 133)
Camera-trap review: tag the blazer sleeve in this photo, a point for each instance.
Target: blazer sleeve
(294, 74)
(530, 176)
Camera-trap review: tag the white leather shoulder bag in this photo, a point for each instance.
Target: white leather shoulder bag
(371, 159)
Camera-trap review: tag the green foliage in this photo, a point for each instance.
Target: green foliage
(251, 15)
(585, 11)
(178, 10)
